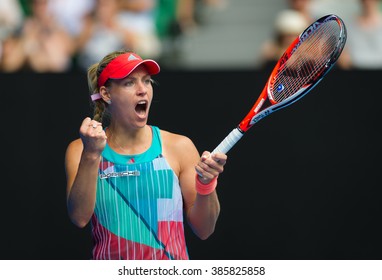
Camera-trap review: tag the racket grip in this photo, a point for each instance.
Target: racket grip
(229, 141)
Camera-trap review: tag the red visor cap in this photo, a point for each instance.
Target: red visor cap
(121, 66)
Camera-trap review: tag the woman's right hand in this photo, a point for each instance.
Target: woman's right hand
(93, 136)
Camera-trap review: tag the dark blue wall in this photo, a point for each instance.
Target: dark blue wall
(303, 183)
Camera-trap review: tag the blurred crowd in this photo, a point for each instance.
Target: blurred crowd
(363, 48)
(62, 35)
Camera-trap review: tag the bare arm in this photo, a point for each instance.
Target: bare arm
(136, 5)
(81, 163)
(202, 211)
(14, 55)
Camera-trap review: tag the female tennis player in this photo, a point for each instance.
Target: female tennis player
(133, 181)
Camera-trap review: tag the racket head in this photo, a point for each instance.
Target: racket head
(306, 61)
(302, 66)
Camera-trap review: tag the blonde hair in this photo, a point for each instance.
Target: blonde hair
(94, 71)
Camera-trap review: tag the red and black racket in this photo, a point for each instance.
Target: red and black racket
(303, 65)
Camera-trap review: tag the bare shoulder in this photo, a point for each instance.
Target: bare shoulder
(176, 142)
(74, 149)
(75, 145)
(179, 150)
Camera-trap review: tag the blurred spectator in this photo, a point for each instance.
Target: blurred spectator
(102, 33)
(26, 7)
(185, 15)
(41, 45)
(188, 13)
(173, 18)
(288, 25)
(70, 13)
(166, 18)
(139, 17)
(304, 7)
(342, 8)
(177, 16)
(364, 43)
(11, 16)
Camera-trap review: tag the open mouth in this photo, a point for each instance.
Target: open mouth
(141, 108)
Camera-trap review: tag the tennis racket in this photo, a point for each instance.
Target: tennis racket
(302, 66)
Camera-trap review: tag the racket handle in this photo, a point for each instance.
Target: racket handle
(229, 141)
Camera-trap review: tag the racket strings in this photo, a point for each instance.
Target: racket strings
(307, 62)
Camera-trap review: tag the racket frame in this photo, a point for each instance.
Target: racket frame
(256, 114)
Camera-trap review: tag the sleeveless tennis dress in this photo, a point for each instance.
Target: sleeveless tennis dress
(139, 209)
